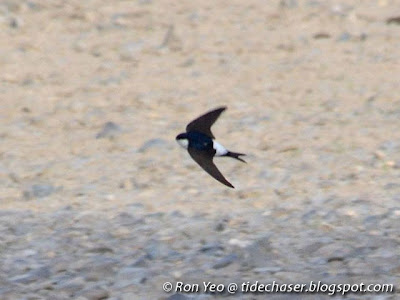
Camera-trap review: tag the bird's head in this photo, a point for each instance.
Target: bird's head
(182, 140)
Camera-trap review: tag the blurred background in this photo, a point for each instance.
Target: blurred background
(97, 201)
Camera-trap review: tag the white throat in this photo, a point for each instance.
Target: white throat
(184, 143)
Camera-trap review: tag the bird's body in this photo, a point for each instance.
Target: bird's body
(200, 143)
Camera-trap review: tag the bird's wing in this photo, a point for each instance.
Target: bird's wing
(206, 162)
(203, 123)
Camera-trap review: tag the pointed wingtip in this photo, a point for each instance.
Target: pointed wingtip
(219, 108)
(230, 185)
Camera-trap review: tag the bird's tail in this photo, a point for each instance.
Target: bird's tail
(236, 155)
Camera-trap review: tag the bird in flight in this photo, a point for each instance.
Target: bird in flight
(199, 141)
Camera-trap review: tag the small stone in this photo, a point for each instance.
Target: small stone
(110, 130)
(395, 212)
(95, 293)
(390, 146)
(153, 144)
(212, 247)
(392, 186)
(29, 252)
(265, 270)
(71, 286)
(220, 226)
(110, 197)
(32, 276)
(177, 274)
(101, 267)
(126, 184)
(187, 63)
(101, 249)
(397, 165)
(259, 254)
(239, 243)
(393, 20)
(40, 190)
(379, 154)
(171, 40)
(16, 22)
(176, 214)
(288, 3)
(321, 35)
(344, 37)
(78, 106)
(141, 262)
(131, 276)
(390, 163)
(332, 252)
(340, 9)
(225, 261)
(130, 51)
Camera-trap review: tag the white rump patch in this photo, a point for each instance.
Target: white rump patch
(183, 142)
(220, 150)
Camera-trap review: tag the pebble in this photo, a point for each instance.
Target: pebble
(94, 293)
(266, 270)
(344, 37)
(32, 276)
(71, 286)
(289, 3)
(157, 143)
(240, 243)
(16, 22)
(213, 248)
(130, 276)
(39, 190)
(321, 35)
(131, 51)
(393, 20)
(141, 262)
(110, 130)
(101, 267)
(259, 254)
(225, 261)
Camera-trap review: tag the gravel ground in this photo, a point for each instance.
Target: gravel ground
(97, 201)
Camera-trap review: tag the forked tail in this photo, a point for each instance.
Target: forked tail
(236, 155)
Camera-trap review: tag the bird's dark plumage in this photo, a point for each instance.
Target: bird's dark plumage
(198, 139)
(203, 123)
(208, 165)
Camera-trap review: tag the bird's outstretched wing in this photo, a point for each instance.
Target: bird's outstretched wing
(206, 162)
(203, 123)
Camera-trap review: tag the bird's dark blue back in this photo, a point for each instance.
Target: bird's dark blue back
(199, 141)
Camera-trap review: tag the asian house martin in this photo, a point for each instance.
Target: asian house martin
(199, 141)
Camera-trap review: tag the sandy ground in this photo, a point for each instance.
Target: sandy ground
(97, 201)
